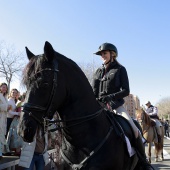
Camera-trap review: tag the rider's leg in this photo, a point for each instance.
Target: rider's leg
(158, 124)
(139, 144)
(123, 112)
(158, 129)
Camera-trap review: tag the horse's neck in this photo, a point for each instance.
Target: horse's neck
(81, 99)
(79, 108)
(147, 118)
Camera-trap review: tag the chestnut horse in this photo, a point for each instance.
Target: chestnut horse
(149, 133)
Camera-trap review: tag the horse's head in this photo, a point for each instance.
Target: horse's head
(142, 117)
(54, 83)
(40, 78)
(139, 115)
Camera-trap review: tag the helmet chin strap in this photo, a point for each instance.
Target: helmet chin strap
(111, 57)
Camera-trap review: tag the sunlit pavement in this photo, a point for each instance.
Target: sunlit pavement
(162, 165)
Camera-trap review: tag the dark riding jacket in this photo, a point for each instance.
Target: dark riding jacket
(112, 80)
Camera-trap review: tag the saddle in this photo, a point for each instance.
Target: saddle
(122, 127)
(153, 123)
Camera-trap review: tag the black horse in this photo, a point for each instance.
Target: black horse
(91, 139)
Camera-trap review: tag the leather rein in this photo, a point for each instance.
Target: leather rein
(45, 121)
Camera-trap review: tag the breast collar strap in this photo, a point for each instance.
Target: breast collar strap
(92, 153)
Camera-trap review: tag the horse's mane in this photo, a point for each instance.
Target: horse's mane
(147, 118)
(31, 68)
(35, 64)
(74, 71)
(69, 62)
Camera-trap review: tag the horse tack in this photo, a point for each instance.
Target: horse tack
(83, 119)
(48, 109)
(92, 153)
(153, 123)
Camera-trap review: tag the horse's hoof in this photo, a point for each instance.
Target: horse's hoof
(156, 159)
(161, 159)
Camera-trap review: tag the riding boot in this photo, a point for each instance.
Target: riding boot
(158, 133)
(141, 154)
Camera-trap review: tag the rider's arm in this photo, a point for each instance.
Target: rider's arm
(155, 112)
(124, 85)
(96, 83)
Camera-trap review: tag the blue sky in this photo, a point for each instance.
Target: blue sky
(139, 29)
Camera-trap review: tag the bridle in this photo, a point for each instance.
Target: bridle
(49, 109)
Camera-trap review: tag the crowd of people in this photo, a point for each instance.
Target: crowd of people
(31, 154)
(10, 109)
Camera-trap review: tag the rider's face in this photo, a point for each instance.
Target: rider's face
(147, 105)
(105, 55)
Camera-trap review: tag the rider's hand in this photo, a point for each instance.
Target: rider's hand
(106, 98)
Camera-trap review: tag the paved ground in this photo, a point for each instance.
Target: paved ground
(165, 164)
(160, 165)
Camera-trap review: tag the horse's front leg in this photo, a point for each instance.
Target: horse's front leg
(156, 154)
(149, 152)
(162, 155)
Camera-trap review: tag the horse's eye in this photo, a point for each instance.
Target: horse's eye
(45, 85)
(39, 79)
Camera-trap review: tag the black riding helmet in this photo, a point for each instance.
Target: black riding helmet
(106, 46)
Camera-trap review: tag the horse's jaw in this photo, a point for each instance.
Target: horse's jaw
(27, 129)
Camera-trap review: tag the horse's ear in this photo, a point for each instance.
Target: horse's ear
(48, 51)
(29, 53)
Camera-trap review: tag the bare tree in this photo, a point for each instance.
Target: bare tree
(164, 107)
(89, 69)
(11, 63)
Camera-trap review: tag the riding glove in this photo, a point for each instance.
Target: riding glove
(107, 98)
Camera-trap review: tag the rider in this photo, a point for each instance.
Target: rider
(110, 86)
(152, 111)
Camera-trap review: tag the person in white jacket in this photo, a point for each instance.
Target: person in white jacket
(35, 153)
(3, 118)
(12, 111)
